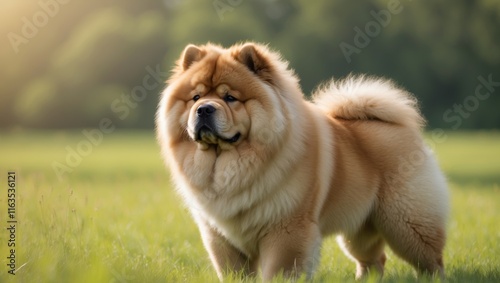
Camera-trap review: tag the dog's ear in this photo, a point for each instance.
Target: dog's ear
(256, 58)
(190, 55)
(251, 56)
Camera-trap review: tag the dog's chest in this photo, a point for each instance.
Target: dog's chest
(246, 240)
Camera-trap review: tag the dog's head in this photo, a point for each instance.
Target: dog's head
(222, 97)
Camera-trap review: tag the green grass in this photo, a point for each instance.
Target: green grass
(116, 218)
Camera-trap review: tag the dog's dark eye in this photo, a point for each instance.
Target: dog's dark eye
(196, 97)
(229, 98)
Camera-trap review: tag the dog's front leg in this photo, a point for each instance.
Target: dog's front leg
(224, 256)
(292, 248)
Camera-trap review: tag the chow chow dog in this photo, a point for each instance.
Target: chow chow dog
(267, 173)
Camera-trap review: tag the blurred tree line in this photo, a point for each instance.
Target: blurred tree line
(72, 63)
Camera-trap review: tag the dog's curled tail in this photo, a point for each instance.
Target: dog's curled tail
(366, 98)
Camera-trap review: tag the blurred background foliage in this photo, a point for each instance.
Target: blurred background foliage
(68, 68)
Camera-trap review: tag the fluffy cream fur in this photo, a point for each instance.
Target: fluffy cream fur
(274, 173)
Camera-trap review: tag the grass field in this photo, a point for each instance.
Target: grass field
(115, 217)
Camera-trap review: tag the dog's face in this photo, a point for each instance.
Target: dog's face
(221, 97)
(217, 116)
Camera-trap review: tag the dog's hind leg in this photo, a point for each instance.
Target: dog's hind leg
(418, 242)
(412, 219)
(366, 248)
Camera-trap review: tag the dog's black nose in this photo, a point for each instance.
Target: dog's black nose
(205, 110)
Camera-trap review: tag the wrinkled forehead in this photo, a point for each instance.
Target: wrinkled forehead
(216, 68)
